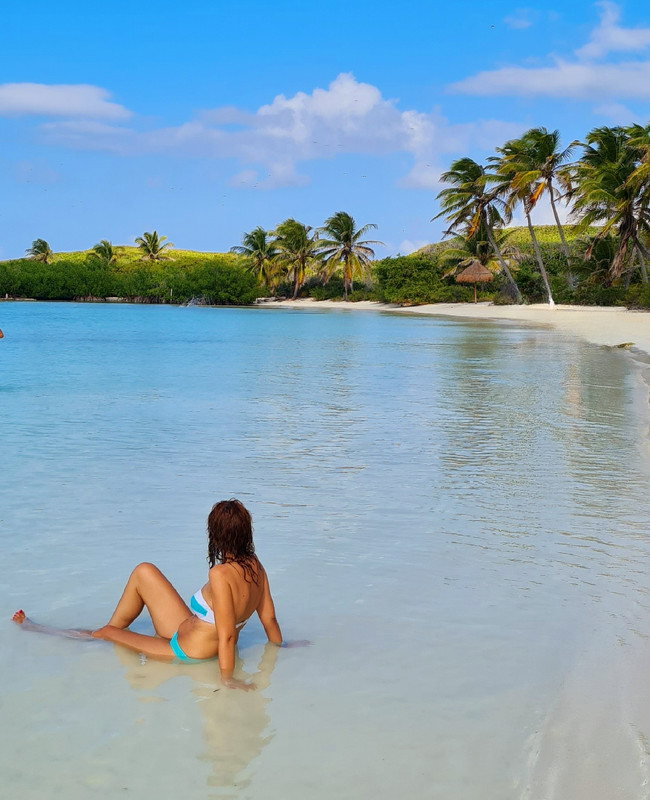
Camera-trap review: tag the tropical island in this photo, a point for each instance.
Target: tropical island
(600, 259)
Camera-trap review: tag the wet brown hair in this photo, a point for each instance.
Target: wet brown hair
(230, 537)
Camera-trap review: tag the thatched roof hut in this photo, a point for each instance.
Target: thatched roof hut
(475, 273)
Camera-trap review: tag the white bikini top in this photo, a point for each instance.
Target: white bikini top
(202, 610)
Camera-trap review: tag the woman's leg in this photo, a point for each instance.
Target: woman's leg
(148, 587)
(140, 642)
(68, 633)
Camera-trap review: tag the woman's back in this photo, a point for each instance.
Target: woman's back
(246, 582)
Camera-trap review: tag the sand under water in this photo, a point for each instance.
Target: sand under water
(454, 512)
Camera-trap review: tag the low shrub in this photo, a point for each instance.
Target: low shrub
(220, 278)
(638, 296)
(409, 279)
(589, 293)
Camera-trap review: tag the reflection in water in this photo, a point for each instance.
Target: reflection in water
(537, 463)
(235, 722)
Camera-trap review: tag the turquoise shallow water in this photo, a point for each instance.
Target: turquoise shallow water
(455, 513)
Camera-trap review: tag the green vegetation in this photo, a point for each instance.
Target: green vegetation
(343, 247)
(601, 259)
(40, 251)
(293, 260)
(213, 278)
(527, 167)
(152, 247)
(298, 250)
(260, 254)
(427, 276)
(608, 188)
(105, 253)
(469, 206)
(417, 279)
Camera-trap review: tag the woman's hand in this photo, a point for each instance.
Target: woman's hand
(103, 633)
(234, 683)
(297, 643)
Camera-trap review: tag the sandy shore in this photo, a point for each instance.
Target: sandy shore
(608, 326)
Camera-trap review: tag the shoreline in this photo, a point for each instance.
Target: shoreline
(608, 326)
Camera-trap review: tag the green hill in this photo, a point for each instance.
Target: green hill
(217, 278)
(519, 237)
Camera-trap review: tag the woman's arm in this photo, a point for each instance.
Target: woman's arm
(224, 620)
(266, 613)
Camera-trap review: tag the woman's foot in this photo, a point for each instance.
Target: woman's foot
(19, 617)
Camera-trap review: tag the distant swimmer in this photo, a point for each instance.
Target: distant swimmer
(2, 336)
(209, 627)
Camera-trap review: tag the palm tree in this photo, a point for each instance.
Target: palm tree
(597, 256)
(467, 204)
(640, 180)
(640, 140)
(464, 249)
(342, 245)
(297, 250)
(519, 165)
(261, 253)
(104, 252)
(546, 163)
(612, 192)
(40, 251)
(151, 245)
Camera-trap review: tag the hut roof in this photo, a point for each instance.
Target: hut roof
(475, 273)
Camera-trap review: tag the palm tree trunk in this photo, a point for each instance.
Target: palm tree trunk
(565, 246)
(538, 255)
(644, 271)
(347, 276)
(299, 279)
(630, 270)
(500, 259)
(618, 263)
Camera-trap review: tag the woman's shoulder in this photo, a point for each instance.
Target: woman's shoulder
(230, 570)
(220, 572)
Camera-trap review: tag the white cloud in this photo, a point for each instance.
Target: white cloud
(90, 135)
(79, 100)
(349, 117)
(278, 175)
(581, 79)
(609, 37)
(616, 112)
(542, 214)
(422, 176)
(519, 20)
(578, 81)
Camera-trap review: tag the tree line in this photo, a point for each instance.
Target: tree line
(293, 249)
(278, 259)
(601, 257)
(148, 273)
(151, 246)
(607, 189)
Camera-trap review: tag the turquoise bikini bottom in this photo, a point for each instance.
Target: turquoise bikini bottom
(180, 655)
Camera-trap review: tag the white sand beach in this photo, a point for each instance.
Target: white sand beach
(610, 326)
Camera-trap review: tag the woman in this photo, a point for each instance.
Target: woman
(237, 586)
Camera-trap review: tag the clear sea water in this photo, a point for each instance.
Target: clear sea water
(456, 514)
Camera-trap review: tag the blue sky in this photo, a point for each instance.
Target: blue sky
(204, 120)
